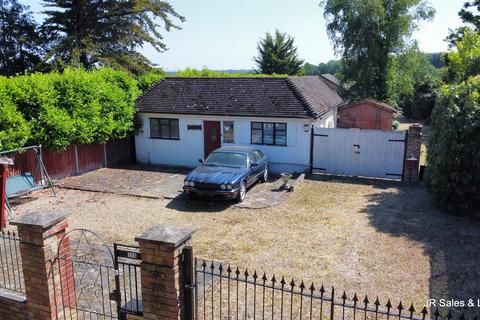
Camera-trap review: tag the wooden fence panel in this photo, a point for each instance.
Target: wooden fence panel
(90, 157)
(74, 160)
(60, 164)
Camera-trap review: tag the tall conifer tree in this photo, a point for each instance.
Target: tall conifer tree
(107, 32)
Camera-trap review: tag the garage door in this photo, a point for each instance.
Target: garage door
(356, 152)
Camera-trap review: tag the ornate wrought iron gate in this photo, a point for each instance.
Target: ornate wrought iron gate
(91, 281)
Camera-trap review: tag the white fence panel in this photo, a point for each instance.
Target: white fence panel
(355, 152)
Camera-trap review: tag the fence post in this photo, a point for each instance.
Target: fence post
(3, 194)
(77, 165)
(332, 307)
(188, 275)
(45, 286)
(412, 153)
(162, 279)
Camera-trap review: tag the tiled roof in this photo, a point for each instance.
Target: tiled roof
(369, 101)
(331, 78)
(298, 97)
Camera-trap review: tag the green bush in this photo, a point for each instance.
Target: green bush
(453, 171)
(14, 130)
(395, 124)
(75, 106)
(147, 80)
(191, 72)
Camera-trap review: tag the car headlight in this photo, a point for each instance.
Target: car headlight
(186, 183)
(229, 186)
(192, 184)
(223, 187)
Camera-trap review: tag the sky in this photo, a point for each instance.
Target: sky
(223, 34)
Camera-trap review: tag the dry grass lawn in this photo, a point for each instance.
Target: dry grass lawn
(370, 237)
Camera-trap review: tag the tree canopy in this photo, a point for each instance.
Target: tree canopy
(92, 33)
(465, 60)
(333, 67)
(470, 15)
(412, 83)
(20, 40)
(278, 55)
(366, 33)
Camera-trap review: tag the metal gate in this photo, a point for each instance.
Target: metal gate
(357, 152)
(91, 282)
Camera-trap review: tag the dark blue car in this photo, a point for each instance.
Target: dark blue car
(227, 173)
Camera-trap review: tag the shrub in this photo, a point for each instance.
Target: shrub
(453, 171)
(14, 130)
(147, 80)
(75, 106)
(191, 72)
(395, 124)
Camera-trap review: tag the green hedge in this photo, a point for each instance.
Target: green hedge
(14, 130)
(75, 106)
(453, 171)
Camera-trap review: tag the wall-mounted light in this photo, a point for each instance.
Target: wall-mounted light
(306, 127)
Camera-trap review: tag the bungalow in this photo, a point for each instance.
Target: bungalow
(184, 119)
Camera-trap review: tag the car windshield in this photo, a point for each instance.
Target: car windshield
(227, 159)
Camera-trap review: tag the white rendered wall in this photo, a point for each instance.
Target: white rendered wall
(295, 157)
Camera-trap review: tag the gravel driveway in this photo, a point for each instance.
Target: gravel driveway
(369, 237)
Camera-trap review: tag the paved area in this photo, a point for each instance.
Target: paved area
(164, 182)
(136, 180)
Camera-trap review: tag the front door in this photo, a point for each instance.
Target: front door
(212, 136)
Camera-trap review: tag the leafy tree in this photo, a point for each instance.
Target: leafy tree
(90, 33)
(436, 59)
(366, 33)
(278, 55)
(147, 80)
(469, 15)
(465, 61)
(332, 67)
(453, 171)
(310, 69)
(20, 43)
(412, 83)
(191, 72)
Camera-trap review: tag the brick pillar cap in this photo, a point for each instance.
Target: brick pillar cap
(168, 235)
(44, 220)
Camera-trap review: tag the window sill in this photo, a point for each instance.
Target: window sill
(175, 139)
(269, 145)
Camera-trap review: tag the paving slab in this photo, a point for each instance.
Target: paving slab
(135, 180)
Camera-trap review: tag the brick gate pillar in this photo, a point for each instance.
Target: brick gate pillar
(162, 284)
(411, 162)
(49, 283)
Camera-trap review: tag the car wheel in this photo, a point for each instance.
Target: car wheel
(265, 174)
(242, 194)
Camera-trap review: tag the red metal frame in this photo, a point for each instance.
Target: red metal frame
(3, 187)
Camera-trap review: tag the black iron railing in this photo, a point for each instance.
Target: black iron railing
(127, 262)
(222, 291)
(11, 274)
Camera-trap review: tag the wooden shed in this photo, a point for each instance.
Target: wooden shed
(366, 114)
